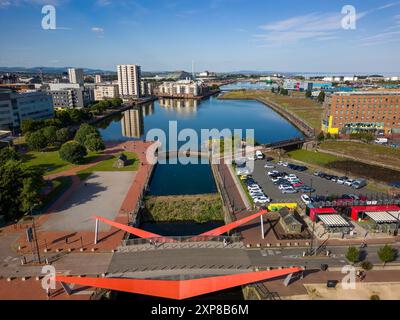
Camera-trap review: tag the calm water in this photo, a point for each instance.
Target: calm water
(210, 113)
(207, 114)
(248, 86)
(172, 179)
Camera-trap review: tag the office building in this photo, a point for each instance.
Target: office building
(377, 112)
(105, 91)
(76, 76)
(16, 107)
(129, 81)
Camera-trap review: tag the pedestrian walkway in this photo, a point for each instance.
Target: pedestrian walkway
(181, 245)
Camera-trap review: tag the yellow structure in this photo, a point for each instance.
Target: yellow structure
(329, 128)
(278, 206)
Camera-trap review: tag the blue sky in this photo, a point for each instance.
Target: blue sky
(219, 35)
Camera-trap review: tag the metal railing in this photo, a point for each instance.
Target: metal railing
(182, 239)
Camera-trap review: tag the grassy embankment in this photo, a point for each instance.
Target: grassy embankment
(305, 109)
(197, 208)
(372, 152)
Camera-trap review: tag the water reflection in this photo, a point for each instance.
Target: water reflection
(132, 123)
(179, 105)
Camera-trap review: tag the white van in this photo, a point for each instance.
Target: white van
(381, 140)
(259, 155)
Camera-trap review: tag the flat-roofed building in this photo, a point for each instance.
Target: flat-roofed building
(16, 107)
(69, 95)
(76, 75)
(362, 111)
(105, 91)
(129, 81)
(182, 89)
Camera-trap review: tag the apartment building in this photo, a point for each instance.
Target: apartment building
(76, 76)
(105, 91)
(362, 111)
(146, 88)
(129, 81)
(183, 88)
(69, 95)
(16, 107)
(132, 123)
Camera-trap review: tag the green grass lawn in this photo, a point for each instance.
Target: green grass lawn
(317, 158)
(107, 165)
(51, 162)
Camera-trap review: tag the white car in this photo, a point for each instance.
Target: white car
(285, 164)
(270, 173)
(305, 198)
(291, 176)
(349, 182)
(269, 166)
(262, 200)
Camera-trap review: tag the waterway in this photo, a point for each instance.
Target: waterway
(210, 113)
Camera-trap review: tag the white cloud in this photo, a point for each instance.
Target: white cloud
(315, 26)
(97, 29)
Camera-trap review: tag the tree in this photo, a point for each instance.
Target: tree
(37, 141)
(321, 97)
(11, 176)
(366, 265)
(50, 135)
(84, 131)
(386, 254)
(29, 194)
(273, 90)
(353, 254)
(63, 135)
(72, 152)
(321, 136)
(94, 142)
(64, 118)
(308, 94)
(8, 153)
(30, 125)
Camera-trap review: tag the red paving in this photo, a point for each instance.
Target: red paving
(31, 289)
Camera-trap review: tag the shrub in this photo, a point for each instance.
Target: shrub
(374, 297)
(8, 153)
(366, 265)
(50, 135)
(72, 152)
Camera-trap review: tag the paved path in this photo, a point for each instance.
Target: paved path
(100, 194)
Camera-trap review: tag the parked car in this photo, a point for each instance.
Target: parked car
(305, 198)
(269, 166)
(289, 190)
(359, 183)
(273, 172)
(341, 180)
(334, 178)
(349, 182)
(306, 189)
(259, 155)
(302, 168)
(269, 159)
(262, 200)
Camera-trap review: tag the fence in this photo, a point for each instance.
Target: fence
(187, 239)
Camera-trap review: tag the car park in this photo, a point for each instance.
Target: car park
(306, 189)
(269, 166)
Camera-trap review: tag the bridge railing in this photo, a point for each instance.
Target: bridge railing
(181, 239)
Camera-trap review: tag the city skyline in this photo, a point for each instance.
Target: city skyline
(218, 35)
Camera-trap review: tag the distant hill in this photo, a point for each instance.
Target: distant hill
(50, 70)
